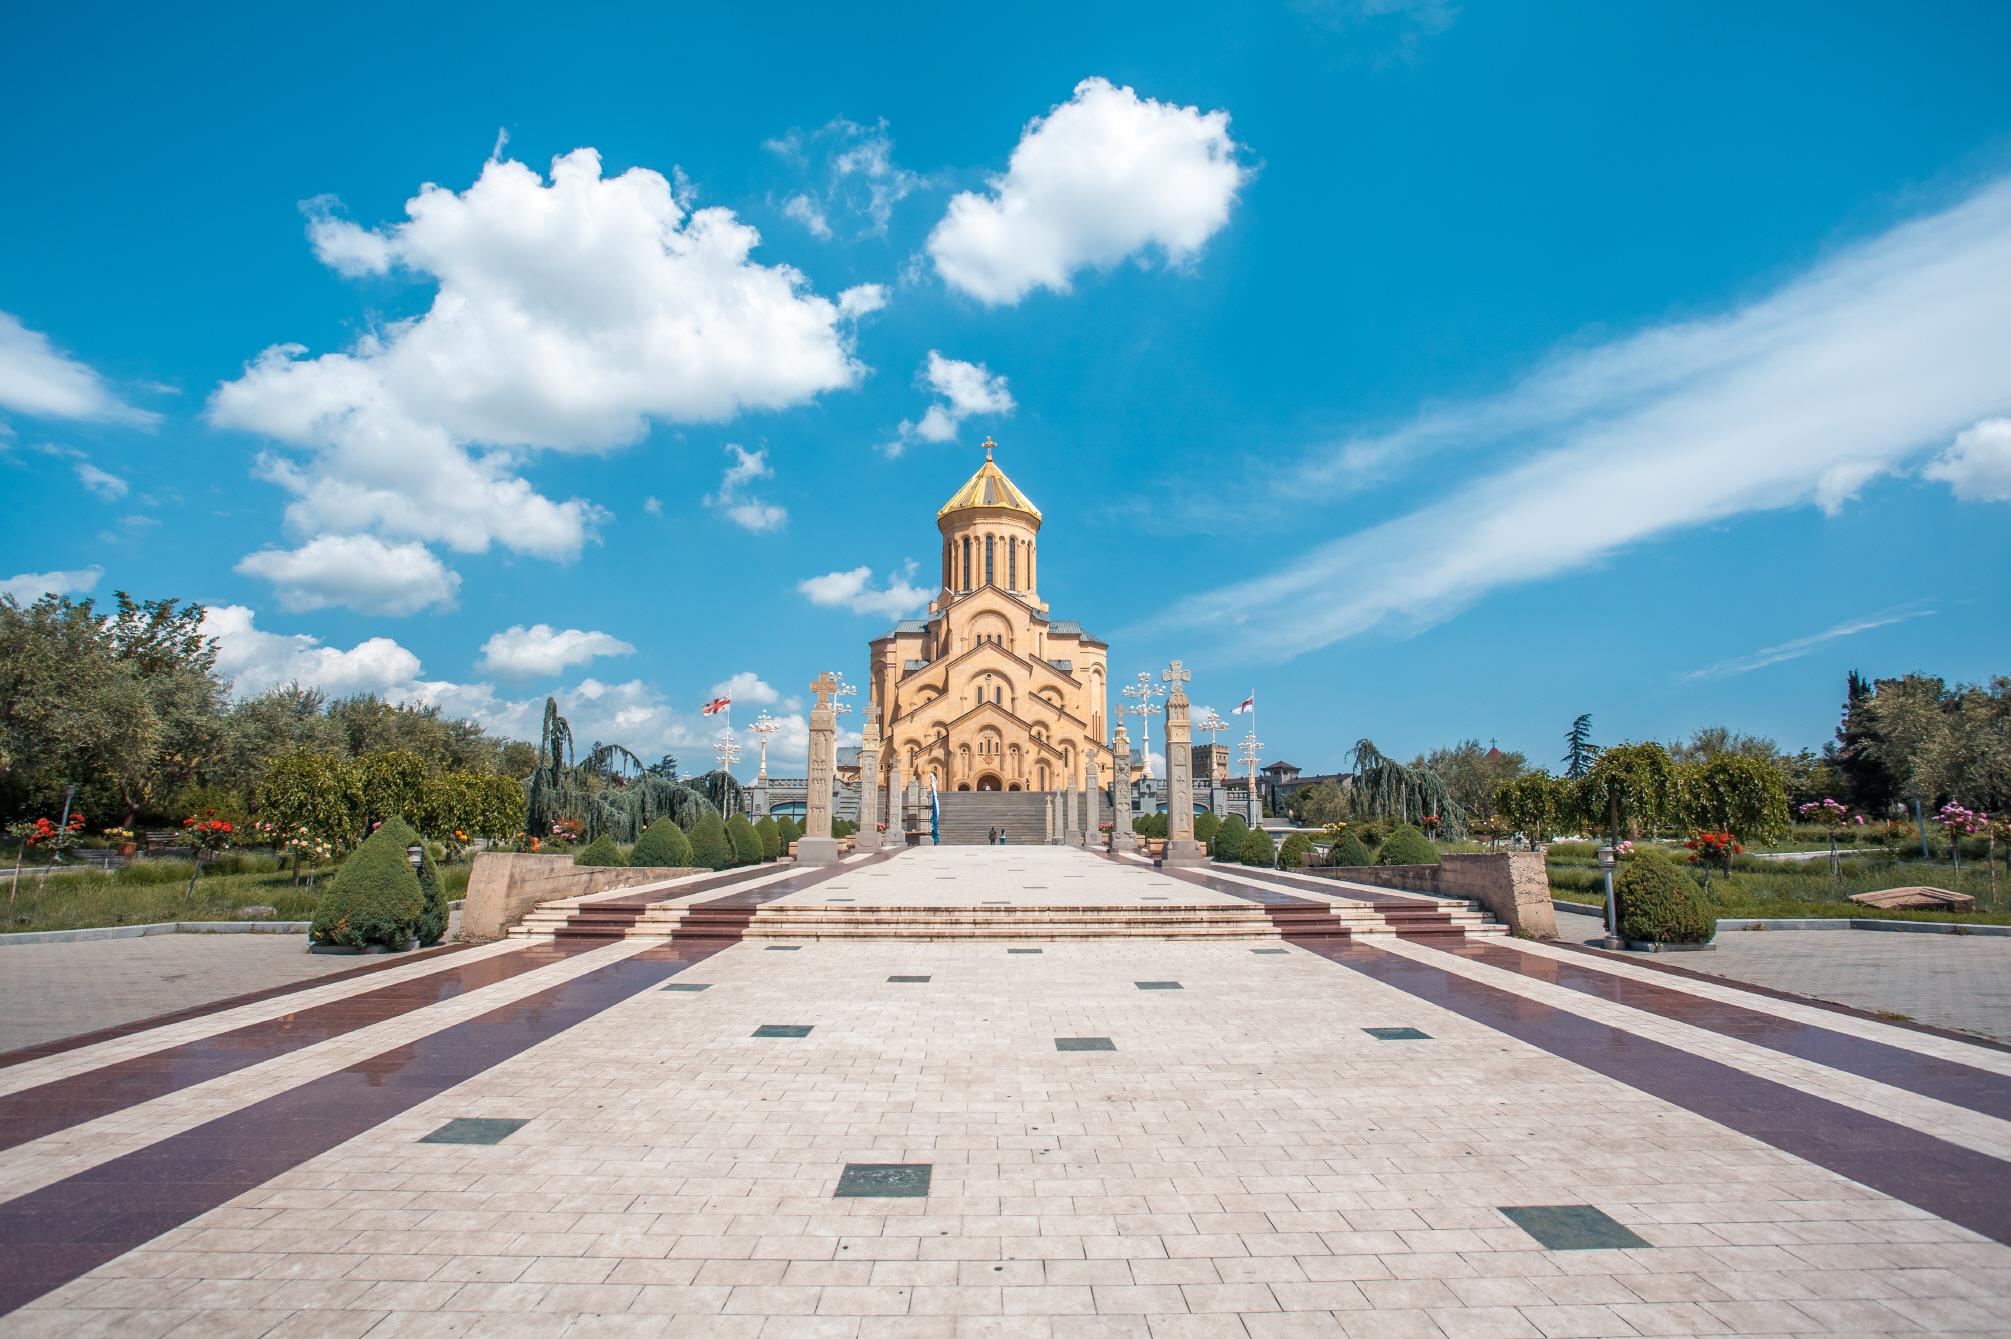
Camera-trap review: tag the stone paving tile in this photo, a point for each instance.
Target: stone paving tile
(1248, 1162)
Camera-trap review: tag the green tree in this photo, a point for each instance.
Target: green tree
(310, 794)
(1228, 843)
(1387, 788)
(1531, 803)
(1406, 846)
(1472, 773)
(771, 837)
(1258, 850)
(1655, 901)
(1292, 851)
(1320, 804)
(388, 783)
(746, 843)
(1737, 793)
(1628, 784)
(1205, 827)
(710, 847)
(662, 845)
(1579, 750)
(601, 852)
(375, 899)
(1349, 852)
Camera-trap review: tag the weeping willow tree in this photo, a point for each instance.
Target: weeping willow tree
(1390, 789)
(609, 792)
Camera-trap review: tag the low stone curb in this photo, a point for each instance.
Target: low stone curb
(159, 928)
(1820, 923)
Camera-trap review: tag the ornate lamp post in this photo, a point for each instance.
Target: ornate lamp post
(1213, 725)
(1145, 694)
(727, 750)
(1252, 752)
(764, 726)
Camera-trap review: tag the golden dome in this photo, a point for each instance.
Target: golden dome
(989, 487)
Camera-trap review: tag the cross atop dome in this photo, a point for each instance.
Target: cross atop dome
(989, 487)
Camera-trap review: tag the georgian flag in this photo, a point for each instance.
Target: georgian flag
(717, 705)
(1248, 704)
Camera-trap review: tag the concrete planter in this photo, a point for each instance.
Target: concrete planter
(1657, 946)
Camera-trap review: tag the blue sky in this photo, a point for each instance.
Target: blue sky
(1434, 371)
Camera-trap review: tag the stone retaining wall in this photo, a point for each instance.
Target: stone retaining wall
(1512, 885)
(504, 886)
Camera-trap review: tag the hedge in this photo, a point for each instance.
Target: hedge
(1228, 843)
(1406, 846)
(662, 845)
(746, 843)
(1658, 902)
(1258, 850)
(1349, 853)
(711, 848)
(600, 851)
(375, 898)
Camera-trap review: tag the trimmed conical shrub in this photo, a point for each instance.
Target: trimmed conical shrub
(1657, 901)
(600, 851)
(746, 844)
(1228, 843)
(1258, 850)
(1349, 852)
(662, 845)
(1406, 846)
(771, 837)
(710, 846)
(1292, 852)
(787, 831)
(375, 898)
(1205, 828)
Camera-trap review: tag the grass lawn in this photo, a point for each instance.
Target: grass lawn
(149, 891)
(1786, 889)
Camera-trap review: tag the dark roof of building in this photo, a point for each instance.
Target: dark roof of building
(1281, 767)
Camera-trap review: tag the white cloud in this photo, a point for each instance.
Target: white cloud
(1103, 176)
(746, 689)
(29, 587)
(108, 486)
(39, 379)
(519, 651)
(859, 176)
(1978, 466)
(1868, 359)
(567, 316)
(963, 389)
(861, 300)
(1801, 646)
(854, 590)
(740, 507)
(808, 213)
(359, 571)
(256, 661)
(652, 506)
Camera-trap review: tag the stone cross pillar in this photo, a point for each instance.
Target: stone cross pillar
(1047, 818)
(869, 781)
(1120, 792)
(1070, 816)
(1092, 794)
(1181, 848)
(817, 846)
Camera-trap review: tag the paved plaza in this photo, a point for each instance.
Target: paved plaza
(716, 1129)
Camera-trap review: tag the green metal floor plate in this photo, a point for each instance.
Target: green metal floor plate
(1574, 1227)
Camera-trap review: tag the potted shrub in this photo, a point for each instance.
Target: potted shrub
(1659, 907)
(121, 841)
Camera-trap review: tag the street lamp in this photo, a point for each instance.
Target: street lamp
(1252, 752)
(764, 726)
(1146, 695)
(415, 855)
(1606, 863)
(727, 750)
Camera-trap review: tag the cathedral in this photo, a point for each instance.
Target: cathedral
(988, 693)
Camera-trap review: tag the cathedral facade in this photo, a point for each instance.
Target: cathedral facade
(988, 692)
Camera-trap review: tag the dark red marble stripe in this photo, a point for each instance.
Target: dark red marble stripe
(1961, 1185)
(57, 1105)
(1930, 1076)
(51, 1236)
(41, 1050)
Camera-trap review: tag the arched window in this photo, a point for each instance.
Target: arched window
(966, 583)
(1012, 564)
(988, 560)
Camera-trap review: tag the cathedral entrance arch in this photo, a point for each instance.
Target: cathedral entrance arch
(989, 781)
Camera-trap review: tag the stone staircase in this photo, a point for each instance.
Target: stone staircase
(1026, 921)
(968, 815)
